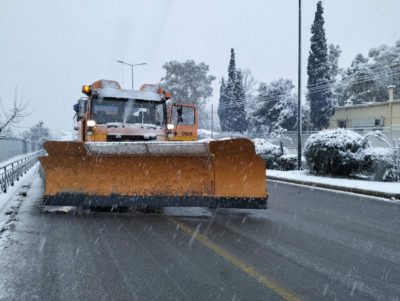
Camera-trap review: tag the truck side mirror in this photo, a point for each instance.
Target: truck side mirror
(80, 108)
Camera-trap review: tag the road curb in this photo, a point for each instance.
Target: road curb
(339, 188)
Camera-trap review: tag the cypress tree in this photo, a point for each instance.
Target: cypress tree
(229, 91)
(232, 67)
(226, 96)
(319, 81)
(239, 122)
(222, 106)
(231, 107)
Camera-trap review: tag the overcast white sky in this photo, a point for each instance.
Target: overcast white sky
(51, 48)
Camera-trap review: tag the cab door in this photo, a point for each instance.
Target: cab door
(183, 117)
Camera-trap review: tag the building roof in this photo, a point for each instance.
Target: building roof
(363, 105)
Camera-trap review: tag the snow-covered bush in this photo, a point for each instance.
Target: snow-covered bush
(268, 151)
(285, 162)
(205, 134)
(379, 164)
(334, 152)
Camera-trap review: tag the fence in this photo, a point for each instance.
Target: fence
(11, 170)
(11, 146)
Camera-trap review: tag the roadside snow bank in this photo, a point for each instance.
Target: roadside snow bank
(303, 175)
(8, 199)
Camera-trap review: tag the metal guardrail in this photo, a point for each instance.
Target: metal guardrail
(12, 171)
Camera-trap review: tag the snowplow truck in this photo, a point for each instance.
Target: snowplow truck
(136, 148)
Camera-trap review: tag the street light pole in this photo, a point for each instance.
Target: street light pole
(131, 65)
(299, 123)
(132, 77)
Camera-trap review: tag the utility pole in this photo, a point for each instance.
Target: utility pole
(299, 122)
(131, 65)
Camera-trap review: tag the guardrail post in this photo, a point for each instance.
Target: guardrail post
(4, 182)
(12, 174)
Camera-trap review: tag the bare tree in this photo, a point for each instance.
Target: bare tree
(10, 117)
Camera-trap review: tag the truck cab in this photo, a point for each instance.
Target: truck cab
(112, 114)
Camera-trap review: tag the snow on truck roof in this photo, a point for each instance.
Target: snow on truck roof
(131, 94)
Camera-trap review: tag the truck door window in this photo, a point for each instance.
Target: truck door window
(183, 115)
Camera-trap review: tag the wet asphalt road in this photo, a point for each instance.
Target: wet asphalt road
(309, 245)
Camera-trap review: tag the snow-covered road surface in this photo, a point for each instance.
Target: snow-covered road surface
(310, 244)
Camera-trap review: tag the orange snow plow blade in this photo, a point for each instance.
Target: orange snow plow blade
(225, 173)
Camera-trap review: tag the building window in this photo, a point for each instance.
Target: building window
(341, 124)
(379, 122)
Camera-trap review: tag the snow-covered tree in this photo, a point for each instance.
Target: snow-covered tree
(38, 133)
(222, 109)
(7, 132)
(359, 82)
(322, 104)
(333, 60)
(226, 104)
(386, 66)
(250, 89)
(231, 108)
(238, 112)
(276, 105)
(367, 79)
(189, 82)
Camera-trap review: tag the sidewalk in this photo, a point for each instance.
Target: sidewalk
(379, 189)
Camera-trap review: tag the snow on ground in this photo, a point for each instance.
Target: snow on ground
(205, 135)
(60, 209)
(9, 201)
(304, 175)
(187, 212)
(204, 132)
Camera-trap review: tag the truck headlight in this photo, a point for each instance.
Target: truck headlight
(91, 123)
(170, 126)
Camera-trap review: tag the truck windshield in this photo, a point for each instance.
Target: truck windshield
(127, 111)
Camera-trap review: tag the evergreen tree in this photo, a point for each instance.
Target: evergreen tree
(362, 86)
(222, 105)
(238, 115)
(229, 91)
(333, 61)
(226, 96)
(334, 70)
(232, 68)
(250, 90)
(276, 106)
(232, 102)
(367, 78)
(322, 104)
